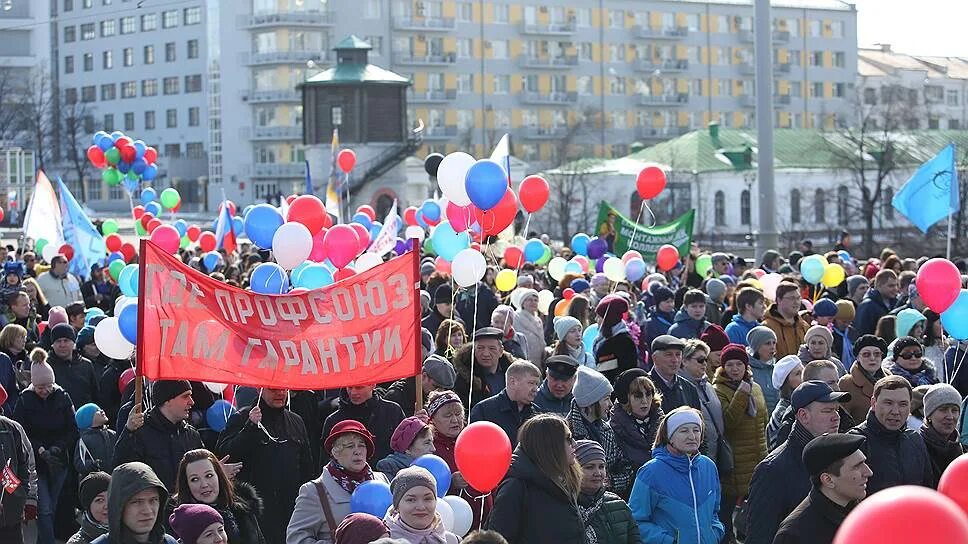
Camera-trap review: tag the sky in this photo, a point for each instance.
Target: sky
(920, 27)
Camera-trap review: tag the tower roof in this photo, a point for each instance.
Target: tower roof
(352, 42)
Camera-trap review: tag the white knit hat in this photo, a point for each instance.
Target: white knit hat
(783, 368)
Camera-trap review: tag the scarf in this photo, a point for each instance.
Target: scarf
(589, 511)
(510, 334)
(943, 448)
(435, 534)
(346, 479)
(604, 335)
(847, 352)
(872, 377)
(924, 375)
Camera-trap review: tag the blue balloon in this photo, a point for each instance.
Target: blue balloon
(438, 467)
(116, 135)
(237, 225)
(246, 210)
(485, 183)
(579, 243)
(447, 243)
(571, 267)
(128, 323)
(91, 313)
(154, 208)
(269, 279)
(105, 143)
(845, 256)
(96, 139)
(218, 414)
(533, 250)
(113, 257)
(148, 195)
(261, 225)
(139, 166)
(955, 318)
(635, 269)
(596, 248)
(401, 247)
(295, 272)
(123, 167)
(421, 220)
(149, 173)
(313, 276)
(375, 230)
(128, 280)
(139, 148)
(371, 497)
(588, 337)
(362, 219)
(431, 210)
(181, 226)
(211, 260)
(812, 269)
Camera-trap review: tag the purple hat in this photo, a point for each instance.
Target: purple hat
(406, 432)
(189, 521)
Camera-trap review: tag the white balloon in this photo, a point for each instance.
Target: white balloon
(110, 341)
(217, 388)
(545, 298)
(291, 245)
(463, 514)
(556, 268)
(446, 515)
(770, 282)
(614, 269)
(50, 251)
(123, 301)
(414, 231)
(367, 261)
(468, 267)
(450, 176)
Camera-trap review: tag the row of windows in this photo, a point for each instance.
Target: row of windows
(128, 24)
(127, 56)
(933, 94)
(820, 204)
(149, 123)
(129, 89)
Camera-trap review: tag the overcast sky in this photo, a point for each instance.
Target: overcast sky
(924, 27)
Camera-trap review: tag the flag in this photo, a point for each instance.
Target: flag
(502, 155)
(8, 479)
(386, 239)
(80, 233)
(43, 219)
(224, 235)
(309, 180)
(932, 192)
(336, 178)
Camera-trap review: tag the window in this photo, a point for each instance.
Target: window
(170, 85)
(839, 59)
(169, 19)
(816, 58)
(173, 150)
(616, 85)
(108, 28)
(886, 202)
(616, 18)
(149, 87)
(870, 97)
(193, 83)
(108, 122)
(88, 93)
(584, 85)
(170, 52)
(129, 89)
(840, 90)
(108, 91)
(465, 47)
(194, 149)
(819, 206)
(816, 89)
(842, 205)
(149, 120)
(744, 207)
(501, 13)
(465, 83)
(70, 34)
(719, 205)
(951, 97)
(87, 31)
(814, 29)
(171, 118)
(107, 59)
(70, 96)
(88, 62)
(192, 51)
(128, 25)
(149, 21)
(127, 55)
(68, 5)
(129, 120)
(465, 12)
(502, 84)
(795, 206)
(193, 15)
(837, 29)
(371, 9)
(193, 116)
(499, 49)
(934, 123)
(69, 64)
(87, 3)
(149, 54)
(583, 17)
(585, 51)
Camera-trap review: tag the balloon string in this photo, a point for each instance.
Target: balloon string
(517, 269)
(642, 208)
(470, 387)
(951, 378)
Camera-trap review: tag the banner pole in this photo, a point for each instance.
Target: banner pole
(948, 250)
(418, 364)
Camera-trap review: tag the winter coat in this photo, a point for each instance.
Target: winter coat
(109, 292)
(714, 310)
(486, 303)
(530, 508)
(779, 434)
(504, 413)
(125, 485)
(763, 376)
(15, 446)
(532, 328)
(308, 523)
(895, 457)
(77, 377)
(952, 372)
(636, 446)
(241, 517)
(738, 328)
(847, 359)
(94, 451)
(90, 530)
(481, 388)
(686, 327)
(516, 344)
(675, 500)
(776, 421)
(861, 390)
(49, 424)
(925, 375)
(159, 443)
(435, 534)
(404, 393)
(712, 415)
(942, 450)
(679, 393)
(111, 398)
(545, 402)
(869, 311)
(813, 521)
(770, 503)
(789, 335)
(394, 463)
(656, 325)
(617, 467)
(615, 354)
(8, 379)
(746, 434)
(380, 417)
(609, 516)
(805, 357)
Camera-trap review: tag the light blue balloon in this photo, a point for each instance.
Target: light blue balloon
(635, 269)
(573, 268)
(431, 210)
(812, 270)
(181, 226)
(313, 276)
(845, 256)
(261, 224)
(269, 279)
(533, 250)
(955, 318)
(447, 243)
(579, 243)
(128, 280)
(148, 195)
(128, 323)
(588, 337)
(375, 230)
(91, 313)
(246, 210)
(294, 273)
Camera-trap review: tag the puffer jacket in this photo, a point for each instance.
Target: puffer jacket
(763, 375)
(609, 516)
(686, 327)
(76, 376)
(789, 335)
(870, 310)
(746, 434)
(49, 424)
(738, 328)
(94, 451)
(895, 457)
(675, 500)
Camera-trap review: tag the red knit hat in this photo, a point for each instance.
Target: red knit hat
(715, 337)
(354, 427)
(734, 352)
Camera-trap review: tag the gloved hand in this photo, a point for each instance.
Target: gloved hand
(30, 512)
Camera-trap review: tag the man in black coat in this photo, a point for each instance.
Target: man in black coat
(482, 377)
(379, 416)
(555, 394)
(74, 372)
(97, 291)
(21, 504)
(440, 309)
(510, 408)
(880, 300)
(839, 474)
(666, 362)
(272, 444)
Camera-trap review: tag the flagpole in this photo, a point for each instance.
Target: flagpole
(948, 250)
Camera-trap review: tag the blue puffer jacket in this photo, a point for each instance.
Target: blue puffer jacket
(739, 328)
(656, 325)
(676, 500)
(686, 327)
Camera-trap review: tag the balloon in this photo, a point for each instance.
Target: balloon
(50, 252)
(938, 282)
(483, 455)
(597, 248)
(573, 267)
(463, 514)
(486, 183)
(123, 302)
(206, 241)
(341, 244)
(545, 257)
(310, 211)
(533, 250)
(181, 226)
(211, 261)
(368, 211)
(506, 280)
(954, 482)
(568, 293)
(431, 210)
(885, 518)
(446, 514)
(812, 268)
(112, 155)
(432, 163)
(955, 318)
(96, 156)
(614, 269)
(148, 195)
(459, 216)
(588, 337)
(667, 257)
(561, 308)
(703, 265)
(513, 256)
(261, 223)
(770, 282)
(128, 323)
(128, 251)
(167, 238)
(579, 243)
(91, 313)
(362, 219)
(110, 341)
(650, 182)
(438, 467)
(194, 232)
(128, 288)
(150, 172)
(833, 275)
(635, 269)
(269, 279)
(39, 245)
(314, 276)
(346, 159)
(499, 217)
(367, 261)
(113, 242)
(218, 414)
(109, 226)
(410, 216)
(363, 237)
(469, 267)
(414, 232)
(580, 285)
(115, 268)
(125, 379)
(150, 155)
(447, 243)
(170, 198)
(111, 176)
(371, 497)
(545, 298)
(533, 192)
(556, 268)
(292, 243)
(451, 177)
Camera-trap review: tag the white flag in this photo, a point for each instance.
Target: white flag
(386, 239)
(43, 219)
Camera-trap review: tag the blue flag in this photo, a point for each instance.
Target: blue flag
(80, 233)
(932, 192)
(309, 180)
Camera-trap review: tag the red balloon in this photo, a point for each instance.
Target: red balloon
(123, 142)
(650, 182)
(193, 232)
(368, 211)
(127, 249)
(343, 273)
(231, 206)
(1, 215)
(150, 155)
(885, 518)
(346, 160)
(67, 251)
(483, 455)
(498, 218)
(410, 216)
(568, 293)
(41, 327)
(145, 218)
(138, 211)
(153, 224)
(954, 482)
(128, 154)
(113, 242)
(460, 217)
(667, 257)
(308, 210)
(533, 191)
(475, 246)
(167, 238)
(290, 198)
(206, 241)
(341, 244)
(96, 156)
(363, 235)
(318, 253)
(126, 378)
(938, 283)
(443, 266)
(513, 256)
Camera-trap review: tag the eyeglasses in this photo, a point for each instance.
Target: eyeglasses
(701, 360)
(916, 355)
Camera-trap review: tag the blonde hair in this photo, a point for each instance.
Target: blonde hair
(9, 333)
(41, 298)
(536, 439)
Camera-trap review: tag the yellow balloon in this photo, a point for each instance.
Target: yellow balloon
(833, 275)
(506, 280)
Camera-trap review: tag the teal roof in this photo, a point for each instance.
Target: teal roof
(353, 42)
(357, 73)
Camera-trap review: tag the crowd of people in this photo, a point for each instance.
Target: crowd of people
(682, 409)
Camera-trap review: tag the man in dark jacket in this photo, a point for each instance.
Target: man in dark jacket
(136, 504)
(21, 504)
(878, 302)
(380, 417)
(666, 362)
(898, 455)
(440, 309)
(690, 321)
(815, 405)
(74, 372)
(264, 436)
(97, 291)
(510, 408)
(23, 314)
(437, 374)
(485, 304)
(555, 394)
(162, 436)
(838, 472)
(489, 365)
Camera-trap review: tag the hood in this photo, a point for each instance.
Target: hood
(876, 296)
(683, 317)
(128, 480)
(523, 468)
(679, 463)
(906, 320)
(738, 319)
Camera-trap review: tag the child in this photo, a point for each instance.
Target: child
(824, 312)
(95, 447)
(662, 316)
(843, 333)
(412, 438)
(691, 319)
(751, 308)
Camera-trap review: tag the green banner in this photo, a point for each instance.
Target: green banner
(623, 234)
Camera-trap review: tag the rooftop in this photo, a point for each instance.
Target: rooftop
(799, 4)
(883, 61)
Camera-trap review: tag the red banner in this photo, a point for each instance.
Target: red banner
(361, 330)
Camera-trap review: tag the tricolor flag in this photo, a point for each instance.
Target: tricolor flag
(336, 178)
(8, 479)
(224, 235)
(502, 155)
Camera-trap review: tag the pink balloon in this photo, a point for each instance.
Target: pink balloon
(631, 254)
(582, 260)
(938, 283)
(318, 253)
(167, 238)
(442, 265)
(460, 217)
(363, 235)
(341, 244)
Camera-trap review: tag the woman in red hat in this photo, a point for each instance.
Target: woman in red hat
(324, 502)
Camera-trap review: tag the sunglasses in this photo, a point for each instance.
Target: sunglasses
(702, 360)
(916, 355)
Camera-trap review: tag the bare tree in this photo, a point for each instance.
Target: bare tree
(75, 142)
(571, 193)
(36, 105)
(10, 118)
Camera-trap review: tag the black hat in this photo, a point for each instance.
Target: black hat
(666, 341)
(92, 485)
(825, 450)
(870, 340)
(624, 380)
(443, 294)
(561, 367)
(163, 391)
(62, 331)
(489, 332)
(815, 391)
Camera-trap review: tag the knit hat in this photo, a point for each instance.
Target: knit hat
(85, 336)
(734, 352)
(715, 337)
(870, 340)
(360, 528)
(821, 331)
(189, 521)
(163, 391)
(440, 370)
(427, 269)
(853, 283)
(563, 324)
(938, 396)
(825, 308)
(624, 381)
(845, 310)
(521, 293)
(441, 400)
(91, 486)
(406, 432)
(41, 373)
(443, 294)
(425, 298)
(84, 416)
(680, 418)
(409, 478)
(715, 288)
(56, 316)
(758, 336)
(587, 451)
(590, 387)
(599, 280)
(906, 320)
(662, 293)
(350, 426)
(61, 331)
(783, 368)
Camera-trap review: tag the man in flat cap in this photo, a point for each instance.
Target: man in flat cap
(838, 471)
(484, 376)
(666, 363)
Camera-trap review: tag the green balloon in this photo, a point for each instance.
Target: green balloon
(132, 175)
(545, 258)
(170, 198)
(184, 242)
(39, 246)
(704, 264)
(111, 176)
(113, 155)
(428, 247)
(115, 268)
(109, 226)
(139, 229)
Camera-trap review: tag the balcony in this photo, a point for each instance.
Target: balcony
(426, 97)
(278, 170)
(659, 133)
(779, 36)
(288, 18)
(667, 33)
(543, 133)
(553, 63)
(425, 24)
(549, 29)
(747, 68)
(445, 59)
(781, 100)
(531, 97)
(440, 133)
(781, 67)
(276, 133)
(283, 57)
(747, 100)
(280, 95)
(679, 99)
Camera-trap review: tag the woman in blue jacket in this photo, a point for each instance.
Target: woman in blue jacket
(675, 498)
